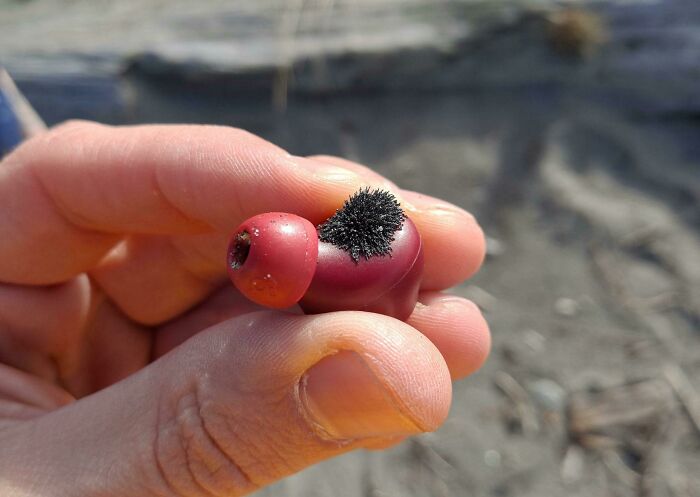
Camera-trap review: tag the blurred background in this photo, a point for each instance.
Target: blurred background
(570, 129)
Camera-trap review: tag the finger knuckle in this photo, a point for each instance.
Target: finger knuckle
(67, 130)
(57, 136)
(191, 458)
(25, 154)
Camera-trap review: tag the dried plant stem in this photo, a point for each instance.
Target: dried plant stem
(685, 392)
(30, 122)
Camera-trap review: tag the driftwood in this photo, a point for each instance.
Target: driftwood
(632, 50)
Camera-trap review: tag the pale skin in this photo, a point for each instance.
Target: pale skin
(128, 364)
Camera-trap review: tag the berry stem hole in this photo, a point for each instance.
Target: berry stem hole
(240, 251)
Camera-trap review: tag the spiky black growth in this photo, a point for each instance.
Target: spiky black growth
(365, 225)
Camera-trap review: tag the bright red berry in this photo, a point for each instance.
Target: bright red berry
(272, 258)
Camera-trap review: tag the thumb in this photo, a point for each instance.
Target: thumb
(235, 408)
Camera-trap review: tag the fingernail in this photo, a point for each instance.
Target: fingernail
(327, 172)
(447, 210)
(435, 206)
(344, 399)
(335, 174)
(456, 302)
(406, 205)
(449, 301)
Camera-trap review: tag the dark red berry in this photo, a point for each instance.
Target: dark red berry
(387, 284)
(272, 258)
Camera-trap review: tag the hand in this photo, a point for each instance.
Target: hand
(128, 364)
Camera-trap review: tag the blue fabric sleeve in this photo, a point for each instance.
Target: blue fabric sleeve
(10, 131)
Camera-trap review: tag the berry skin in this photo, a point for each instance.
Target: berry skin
(272, 258)
(387, 284)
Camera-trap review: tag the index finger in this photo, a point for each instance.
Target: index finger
(69, 196)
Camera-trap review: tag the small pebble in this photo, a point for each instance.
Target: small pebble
(492, 458)
(494, 247)
(533, 340)
(480, 297)
(547, 394)
(566, 307)
(572, 467)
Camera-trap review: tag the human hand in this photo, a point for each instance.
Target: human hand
(129, 366)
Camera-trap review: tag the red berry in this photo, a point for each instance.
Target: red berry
(386, 284)
(272, 258)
